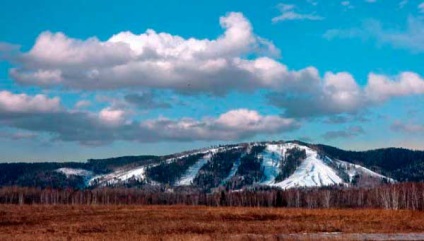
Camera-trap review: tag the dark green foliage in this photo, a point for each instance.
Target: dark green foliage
(50, 179)
(43, 174)
(412, 172)
(398, 163)
(168, 173)
(12, 173)
(290, 162)
(217, 169)
(250, 168)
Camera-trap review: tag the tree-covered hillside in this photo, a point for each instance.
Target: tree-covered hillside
(398, 163)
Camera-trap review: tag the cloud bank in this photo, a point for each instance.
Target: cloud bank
(45, 115)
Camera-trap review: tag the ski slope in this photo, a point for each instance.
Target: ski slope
(316, 170)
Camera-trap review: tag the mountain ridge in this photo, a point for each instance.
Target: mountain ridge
(275, 164)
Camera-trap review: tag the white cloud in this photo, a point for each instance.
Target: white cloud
(112, 116)
(339, 93)
(381, 87)
(287, 13)
(111, 125)
(232, 125)
(153, 60)
(336, 93)
(234, 61)
(31, 115)
(22, 103)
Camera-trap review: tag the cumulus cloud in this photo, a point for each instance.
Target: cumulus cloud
(336, 93)
(381, 87)
(232, 125)
(11, 103)
(154, 60)
(112, 116)
(339, 93)
(288, 13)
(350, 132)
(236, 60)
(111, 124)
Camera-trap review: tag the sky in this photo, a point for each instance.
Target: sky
(94, 79)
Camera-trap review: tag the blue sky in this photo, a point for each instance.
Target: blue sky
(92, 79)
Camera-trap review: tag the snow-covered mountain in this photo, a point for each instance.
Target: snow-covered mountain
(263, 164)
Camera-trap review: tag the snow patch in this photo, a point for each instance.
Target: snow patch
(353, 169)
(74, 172)
(312, 172)
(234, 169)
(191, 173)
(119, 176)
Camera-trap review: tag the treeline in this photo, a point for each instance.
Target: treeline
(395, 196)
(398, 163)
(44, 174)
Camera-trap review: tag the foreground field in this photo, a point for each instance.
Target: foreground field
(200, 223)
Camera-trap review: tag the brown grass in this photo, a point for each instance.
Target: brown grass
(193, 223)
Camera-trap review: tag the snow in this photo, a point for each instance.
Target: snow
(118, 176)
(312, 171)
(233, 170)
(191, 173)
(124, 174)
(74, 172)
(85, 174)
(271, 161)
(354, 169)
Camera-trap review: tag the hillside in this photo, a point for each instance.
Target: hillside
(256, 165)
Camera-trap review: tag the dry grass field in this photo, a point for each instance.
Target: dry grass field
(89, 223)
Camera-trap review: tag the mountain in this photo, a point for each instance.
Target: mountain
(278, 164)
(266, 164)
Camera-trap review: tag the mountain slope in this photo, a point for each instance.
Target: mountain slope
(279, 164)
(246, 165)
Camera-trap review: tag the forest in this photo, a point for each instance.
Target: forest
(391, 196)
